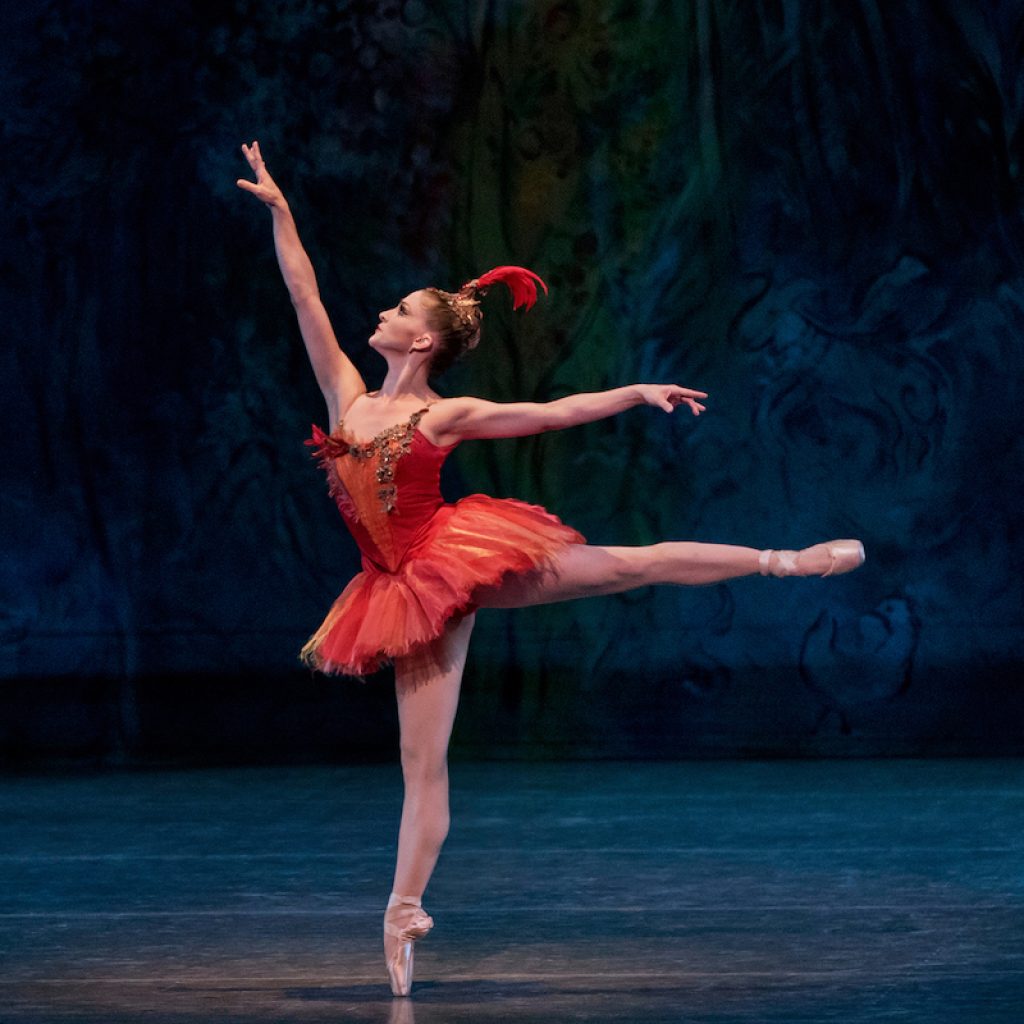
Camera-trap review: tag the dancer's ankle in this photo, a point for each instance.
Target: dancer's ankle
(395, 898)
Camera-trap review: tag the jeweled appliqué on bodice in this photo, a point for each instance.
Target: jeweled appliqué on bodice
(387, 447)
(382, 452)
(386, 488)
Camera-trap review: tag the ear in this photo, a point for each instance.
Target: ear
(424, 343)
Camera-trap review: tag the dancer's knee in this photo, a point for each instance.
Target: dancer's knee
(426, 793)
(424, 764)
(629, 568)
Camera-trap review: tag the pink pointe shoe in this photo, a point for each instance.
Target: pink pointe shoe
(844, 556)
(416, 926)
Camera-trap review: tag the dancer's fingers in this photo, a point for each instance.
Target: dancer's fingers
(679, 399)
(253, 155)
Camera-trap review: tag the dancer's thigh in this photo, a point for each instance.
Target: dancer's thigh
(578, 570)
(427, 688)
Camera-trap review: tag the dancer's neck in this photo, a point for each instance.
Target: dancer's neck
(404, 382)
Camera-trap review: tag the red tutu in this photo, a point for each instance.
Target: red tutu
(423, 559)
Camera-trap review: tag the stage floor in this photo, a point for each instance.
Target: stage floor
(729, 891)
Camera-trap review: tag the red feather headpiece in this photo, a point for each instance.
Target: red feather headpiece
(522, 283)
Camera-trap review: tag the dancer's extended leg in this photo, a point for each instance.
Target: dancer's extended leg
(587, 570)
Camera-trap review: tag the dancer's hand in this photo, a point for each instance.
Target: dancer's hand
(264, 187)
(668, 396)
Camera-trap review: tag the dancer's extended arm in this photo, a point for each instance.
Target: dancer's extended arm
(339, 380)
(458, 418)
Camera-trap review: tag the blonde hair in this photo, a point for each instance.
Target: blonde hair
(457, 316)
(457, 319)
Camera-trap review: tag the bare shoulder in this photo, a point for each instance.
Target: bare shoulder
(440, 424)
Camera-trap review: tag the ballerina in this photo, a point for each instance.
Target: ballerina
(428, 565)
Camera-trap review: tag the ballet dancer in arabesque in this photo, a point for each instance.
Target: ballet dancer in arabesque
(427, 564)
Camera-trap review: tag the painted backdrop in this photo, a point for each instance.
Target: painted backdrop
(811, 211)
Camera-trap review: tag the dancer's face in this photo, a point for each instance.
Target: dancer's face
(403, 327)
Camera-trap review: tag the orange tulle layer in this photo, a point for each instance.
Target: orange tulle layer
(473, 543)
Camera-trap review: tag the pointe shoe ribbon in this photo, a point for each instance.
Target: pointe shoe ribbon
(401, 964)
(844, 556)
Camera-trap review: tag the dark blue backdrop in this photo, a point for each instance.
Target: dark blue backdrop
(811, 212)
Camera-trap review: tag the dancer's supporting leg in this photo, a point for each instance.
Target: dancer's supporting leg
(426, 714)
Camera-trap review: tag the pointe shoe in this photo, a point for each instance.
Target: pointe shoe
(416, 926)
(844, 556)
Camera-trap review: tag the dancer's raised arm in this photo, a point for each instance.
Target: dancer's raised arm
(339, 380)
(458, 418)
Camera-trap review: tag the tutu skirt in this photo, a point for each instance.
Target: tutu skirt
(472, 543)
